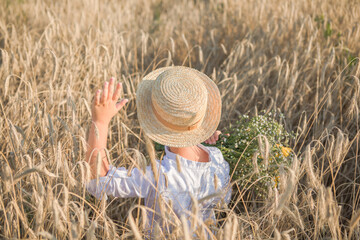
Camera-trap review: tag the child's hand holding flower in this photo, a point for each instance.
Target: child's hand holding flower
(213, 138)
(105, 104)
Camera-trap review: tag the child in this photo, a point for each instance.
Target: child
(178, 107)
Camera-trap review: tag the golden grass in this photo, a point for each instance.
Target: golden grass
(298, 57)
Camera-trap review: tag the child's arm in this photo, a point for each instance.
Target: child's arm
(104, 107)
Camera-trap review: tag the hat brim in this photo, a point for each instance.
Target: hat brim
(167, 136)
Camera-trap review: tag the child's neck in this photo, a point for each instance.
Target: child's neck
(193, 153)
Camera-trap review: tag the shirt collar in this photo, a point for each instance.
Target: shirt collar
(170, 158)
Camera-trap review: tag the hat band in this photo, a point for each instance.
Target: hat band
(173, 126)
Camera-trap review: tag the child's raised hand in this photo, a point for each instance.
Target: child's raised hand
(213, 138)
(105, 104)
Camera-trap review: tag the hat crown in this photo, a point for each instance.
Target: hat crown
(179, 98)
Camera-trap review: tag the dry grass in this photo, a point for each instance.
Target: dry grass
(295, 56)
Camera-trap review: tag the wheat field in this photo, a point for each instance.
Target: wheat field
(298, 57)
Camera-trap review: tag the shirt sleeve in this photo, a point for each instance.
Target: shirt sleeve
(223, 169)
(227, 183)
(117, 183)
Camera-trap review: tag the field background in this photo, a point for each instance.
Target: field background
(298, 57)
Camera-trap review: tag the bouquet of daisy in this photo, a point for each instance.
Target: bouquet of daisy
(256, 148)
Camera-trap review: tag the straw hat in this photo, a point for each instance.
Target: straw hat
(178, 106)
